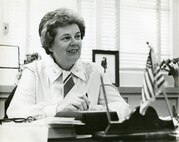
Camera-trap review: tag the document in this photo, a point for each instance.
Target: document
(58, 120)
(23, 132)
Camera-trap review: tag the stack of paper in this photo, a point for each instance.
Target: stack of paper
(23, 132)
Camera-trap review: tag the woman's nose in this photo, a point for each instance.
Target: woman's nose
(73, 41)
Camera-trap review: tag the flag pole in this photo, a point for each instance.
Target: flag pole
(168, 104)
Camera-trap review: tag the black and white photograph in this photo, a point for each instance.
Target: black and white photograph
(89, 70)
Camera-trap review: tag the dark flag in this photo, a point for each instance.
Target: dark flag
(153, 83)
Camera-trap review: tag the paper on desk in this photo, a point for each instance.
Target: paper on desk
(58, 120)
(25, 132)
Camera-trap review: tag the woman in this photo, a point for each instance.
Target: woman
(42, 89)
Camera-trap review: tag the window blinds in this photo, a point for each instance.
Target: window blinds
(88, 12)
(137, 26)
(108, 25)
(140, 22)
(126, 25)
(101, 27)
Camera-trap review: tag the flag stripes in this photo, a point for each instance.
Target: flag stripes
(160, 80)
(153, 82)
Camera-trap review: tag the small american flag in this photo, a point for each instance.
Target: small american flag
(153, 83)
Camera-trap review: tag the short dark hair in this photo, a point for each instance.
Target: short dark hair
(58, 18)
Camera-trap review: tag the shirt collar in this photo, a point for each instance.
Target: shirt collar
(54, 71)
(78, 70)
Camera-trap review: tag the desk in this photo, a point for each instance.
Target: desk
(93, 140)
(43, 134)
(113, 140)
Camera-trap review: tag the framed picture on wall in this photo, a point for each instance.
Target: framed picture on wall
(9, 57)
(109, 60)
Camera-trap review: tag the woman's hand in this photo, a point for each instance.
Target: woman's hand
(74, 103)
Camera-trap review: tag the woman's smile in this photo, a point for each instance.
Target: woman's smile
(73, 50)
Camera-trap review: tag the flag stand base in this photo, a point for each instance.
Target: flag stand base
(139, 126)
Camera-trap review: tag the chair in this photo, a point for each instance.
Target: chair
(8, 101)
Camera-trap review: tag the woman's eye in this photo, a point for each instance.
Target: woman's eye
(78, 36)
(67, 38)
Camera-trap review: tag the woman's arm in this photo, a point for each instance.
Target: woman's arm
(24, 102)
(115, 100)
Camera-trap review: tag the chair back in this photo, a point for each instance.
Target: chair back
(8, 101)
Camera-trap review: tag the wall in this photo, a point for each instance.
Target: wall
(135, 79)
(14, 16)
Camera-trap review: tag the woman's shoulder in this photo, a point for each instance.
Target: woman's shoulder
(90, 66)
(38, 65)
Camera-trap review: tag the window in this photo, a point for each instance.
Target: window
(143, 21)
(88, 12)
(126, 25)
(101, 26)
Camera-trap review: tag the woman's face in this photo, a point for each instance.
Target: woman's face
(66, 48)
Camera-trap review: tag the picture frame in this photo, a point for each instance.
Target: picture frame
(9, 64)
(9, 57)
(109, 60)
